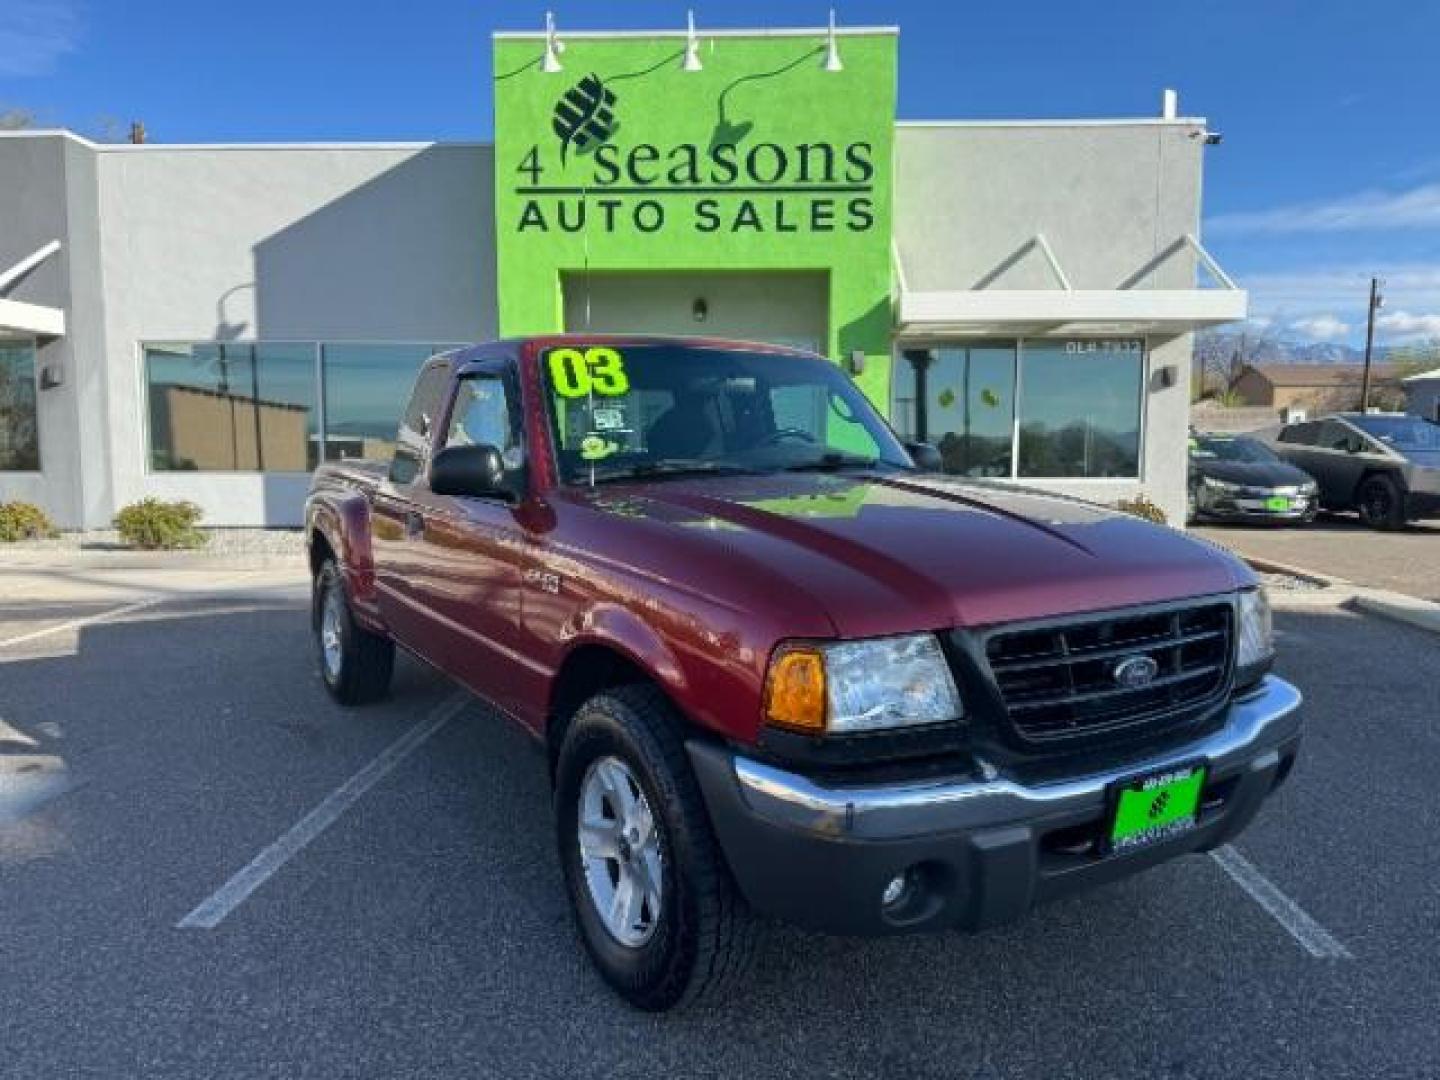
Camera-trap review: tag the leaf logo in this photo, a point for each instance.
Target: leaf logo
(584, 116)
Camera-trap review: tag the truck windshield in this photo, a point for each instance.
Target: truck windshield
(639, 410)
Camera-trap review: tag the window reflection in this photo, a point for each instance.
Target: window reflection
(19, 432)
(1078, 404)
(366, 387)
(229, 406)
(255, 406)
(961, 399)
(1080, 408)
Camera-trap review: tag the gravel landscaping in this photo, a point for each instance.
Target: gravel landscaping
(1278, 582)
(218, 542)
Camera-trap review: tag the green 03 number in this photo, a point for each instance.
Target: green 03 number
(598, 370)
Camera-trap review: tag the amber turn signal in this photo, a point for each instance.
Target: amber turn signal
(795, 691)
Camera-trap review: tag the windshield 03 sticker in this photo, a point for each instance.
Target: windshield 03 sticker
(597, 370)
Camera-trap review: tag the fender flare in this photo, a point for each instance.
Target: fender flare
(620, 630)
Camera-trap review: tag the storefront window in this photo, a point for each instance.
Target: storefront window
(232, 407)
(1080, 408)
(19, 432)
(366, 386)
(1078, 405)
(962, 400)
(255, 406)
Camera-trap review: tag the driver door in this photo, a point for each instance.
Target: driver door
(471, 548)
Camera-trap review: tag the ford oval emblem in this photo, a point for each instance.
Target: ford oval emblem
(1135, 671)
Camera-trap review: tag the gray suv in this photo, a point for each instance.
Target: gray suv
(1385, 466)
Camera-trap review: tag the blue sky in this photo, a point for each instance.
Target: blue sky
(1329, 170)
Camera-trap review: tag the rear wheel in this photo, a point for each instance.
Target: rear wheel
(1380, 503)
(653, 899)
(355, 664)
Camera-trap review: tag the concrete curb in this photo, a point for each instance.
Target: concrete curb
(40, 559)
(1397, 607)
(1269, 566)
(1329, 591)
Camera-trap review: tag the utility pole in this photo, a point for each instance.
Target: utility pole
(1376, 301)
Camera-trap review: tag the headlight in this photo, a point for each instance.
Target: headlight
(1256, 649)
(1219, 485)
(857, 686)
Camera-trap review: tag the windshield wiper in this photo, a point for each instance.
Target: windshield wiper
(834, 461)
(666, 468)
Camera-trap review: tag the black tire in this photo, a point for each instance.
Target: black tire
(704, 937)
(1381, 504)
(365, 662)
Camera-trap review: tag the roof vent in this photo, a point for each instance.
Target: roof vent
(1169, 104)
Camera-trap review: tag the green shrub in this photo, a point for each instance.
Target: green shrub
(155, 524)
(1142, 507)
(23, 521)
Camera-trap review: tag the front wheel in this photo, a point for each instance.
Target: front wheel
(653, 899)
(1380, 503)
(355, 663)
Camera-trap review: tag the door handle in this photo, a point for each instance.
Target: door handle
(414, 525)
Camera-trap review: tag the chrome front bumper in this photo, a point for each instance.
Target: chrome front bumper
(986, 848)
(889, 811)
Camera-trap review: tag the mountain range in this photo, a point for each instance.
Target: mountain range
(1262, 349)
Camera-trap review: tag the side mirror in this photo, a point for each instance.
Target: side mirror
(925, 456)
(476, 472)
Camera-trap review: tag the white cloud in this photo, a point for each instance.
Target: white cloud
(1408, 286)
(1418, 207)
(1403, 326)
(34, 34)
(1320, 328)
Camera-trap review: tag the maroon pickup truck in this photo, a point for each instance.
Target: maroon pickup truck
(780, 667)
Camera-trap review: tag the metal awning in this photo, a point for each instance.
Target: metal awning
(18, 318)
(1064, 310)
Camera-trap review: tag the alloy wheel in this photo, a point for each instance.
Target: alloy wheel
(620, 852)
(330, 644)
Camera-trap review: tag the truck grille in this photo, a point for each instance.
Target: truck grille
(1058, 681)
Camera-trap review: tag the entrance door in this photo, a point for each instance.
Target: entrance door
(779, 307)
(962, 400)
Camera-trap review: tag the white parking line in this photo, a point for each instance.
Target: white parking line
(75, 624)
(116, 612)
(214, 908)
(1313, 937)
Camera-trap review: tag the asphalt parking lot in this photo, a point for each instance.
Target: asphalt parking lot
(1337, 545)
(421, 929)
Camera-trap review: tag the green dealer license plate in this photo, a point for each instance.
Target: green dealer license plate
(1156, 807)
(1277, 504)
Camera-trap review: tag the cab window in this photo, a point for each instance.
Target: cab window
(1300, 434)
(417, 424)
(481, 415)
(1337, 436)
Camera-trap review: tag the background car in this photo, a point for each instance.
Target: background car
(1385, 466)
(1236, 478)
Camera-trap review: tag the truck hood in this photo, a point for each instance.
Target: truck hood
(886, 554)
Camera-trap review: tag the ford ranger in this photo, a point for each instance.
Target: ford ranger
(779, 665)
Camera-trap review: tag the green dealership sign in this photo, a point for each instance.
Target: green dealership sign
(762, 160)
